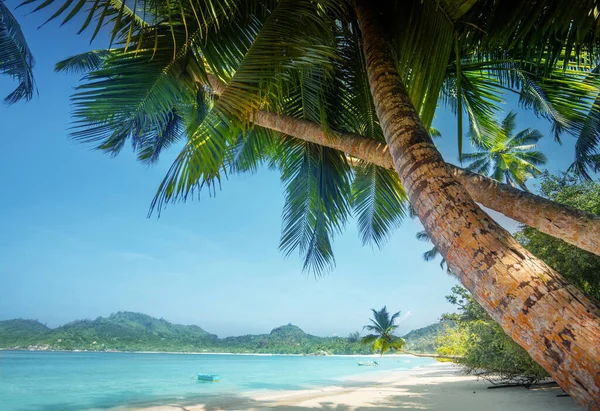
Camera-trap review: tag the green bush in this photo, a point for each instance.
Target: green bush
(482, 347)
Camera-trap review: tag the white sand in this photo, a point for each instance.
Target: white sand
(441, 387)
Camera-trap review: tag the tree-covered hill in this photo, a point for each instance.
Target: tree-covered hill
(128, 331)
(123, 331)
(12, 332)
(423, 340)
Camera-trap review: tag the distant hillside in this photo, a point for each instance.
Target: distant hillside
(127, 331)
(12, 332)
(423, 340)
(121, 331)
(290, 339)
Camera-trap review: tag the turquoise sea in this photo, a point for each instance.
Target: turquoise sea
(76, 381)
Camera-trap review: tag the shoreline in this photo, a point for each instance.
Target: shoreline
(224, 353)
(439, 387)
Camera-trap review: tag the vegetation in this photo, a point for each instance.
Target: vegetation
(16, 59)
(581, 268)
(155, 87)
(424, 340)
(432, 253)
(505, 156)
(481, 345)
(126, 331)
(383, 327)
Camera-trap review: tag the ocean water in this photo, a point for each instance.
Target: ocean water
(76, 381)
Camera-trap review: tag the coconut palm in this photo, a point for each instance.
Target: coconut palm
(383, 326)
(308, 68)
(354, 337)
(505, 156)
(16, 59)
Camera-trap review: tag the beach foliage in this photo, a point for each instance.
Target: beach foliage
(287, 58)
(579, 267)
(304, 59)
(504, 155)
(128, 331)
(383, 327)
(16, 59)
(481, 346)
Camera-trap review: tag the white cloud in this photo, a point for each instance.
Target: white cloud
(405, 316)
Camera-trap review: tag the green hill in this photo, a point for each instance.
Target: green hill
(123, 331)
(423, 340)
(132, 332)
(14, 332)
(290, 339)
(128, 331)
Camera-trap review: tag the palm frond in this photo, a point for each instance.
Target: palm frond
(423, 236)
(369, 339)
(16, 59)
(132, 94)
(398, 343)
(295, 35)
(84, 63)
(254, 147)
(542, 32)
(127, 20)
(279, 47)
(587, 147)
(379, 202)
(423, 37)
(431, 254)
(317, 202)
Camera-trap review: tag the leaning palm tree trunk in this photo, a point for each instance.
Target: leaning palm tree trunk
(557, 325)
(574, 226)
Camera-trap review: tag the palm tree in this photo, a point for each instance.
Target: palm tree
(383, 327)
(279, 65)
(16, 59)
(504, 156)
(354, 337)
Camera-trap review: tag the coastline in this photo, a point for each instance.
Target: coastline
(223, 353)
(438, 387)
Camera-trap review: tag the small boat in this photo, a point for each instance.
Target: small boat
(368, 363)
(208, 377)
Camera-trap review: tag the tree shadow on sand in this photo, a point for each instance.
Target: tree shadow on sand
(435, 391)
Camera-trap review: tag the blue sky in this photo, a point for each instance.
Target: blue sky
(75, 241)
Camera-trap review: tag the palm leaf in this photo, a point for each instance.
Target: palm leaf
(134, 93)
(317, 202)
(280, 46)
(379, 202)
(84, 63)
(16, 59)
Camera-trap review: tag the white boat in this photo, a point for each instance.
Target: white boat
(368, 363)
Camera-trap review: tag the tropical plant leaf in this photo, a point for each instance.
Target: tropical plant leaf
(16, 59)
(84, 63)
(317, 202)
(379, 201)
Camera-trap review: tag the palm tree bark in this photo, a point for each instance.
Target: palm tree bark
(557, 325)
(574, 226)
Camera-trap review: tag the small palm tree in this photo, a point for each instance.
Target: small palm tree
(354, 337)
(383, 326)
(504, 156)
(15, 57)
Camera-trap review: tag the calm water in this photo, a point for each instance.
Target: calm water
(64, 381)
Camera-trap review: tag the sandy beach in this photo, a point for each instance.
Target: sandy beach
(440, 387)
